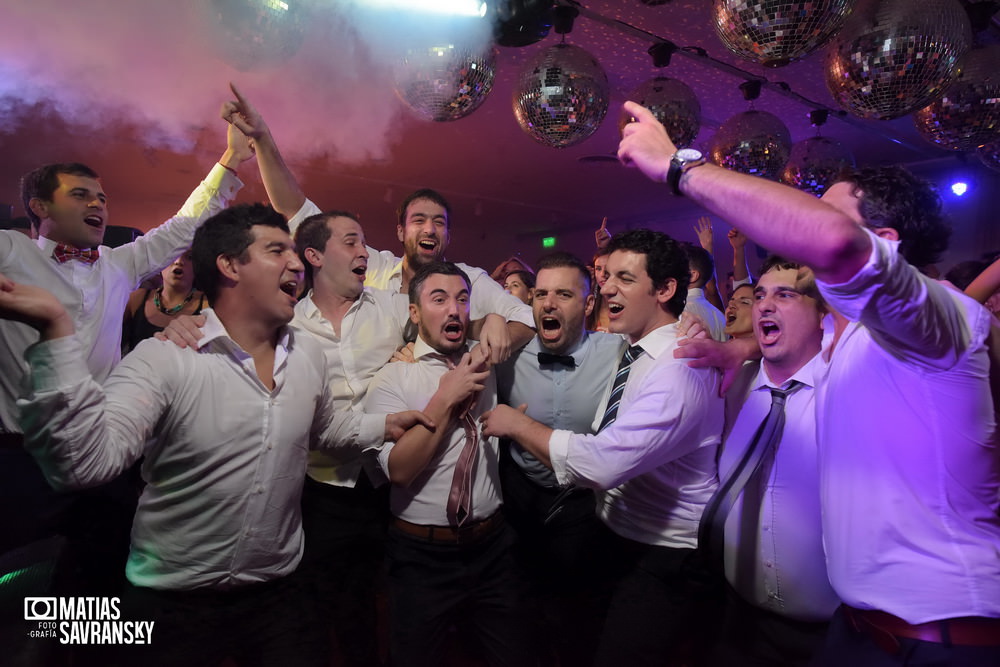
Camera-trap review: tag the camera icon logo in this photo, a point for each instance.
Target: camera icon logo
(40, 609)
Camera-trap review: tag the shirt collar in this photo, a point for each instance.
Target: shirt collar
(422, 349)
(659, 340)
(808, 375)
(308, 309)
(215, 330)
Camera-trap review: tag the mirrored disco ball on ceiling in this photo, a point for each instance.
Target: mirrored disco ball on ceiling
(815, 163)
(752, 142)
(989, 154)
(443, 83)
(258, 33)
(776, 32)
(968, 114)
(896, 56)
(673, 103)
(561, 96)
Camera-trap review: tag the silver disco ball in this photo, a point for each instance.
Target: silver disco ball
(673, 103)
(258, 33)
(752, 142)
(989, 154)
(561, 96)
(815, 163)
(896, 56)
(968, 114)
(776, 32)
(443, 83)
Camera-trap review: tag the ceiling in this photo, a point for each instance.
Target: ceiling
(133, 90)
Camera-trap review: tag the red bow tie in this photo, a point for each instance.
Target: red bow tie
(64, 253)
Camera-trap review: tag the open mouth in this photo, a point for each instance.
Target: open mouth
(615, 308)
(359, 270)
(551, 328)
(730, 317)
(94, 221)
(290, 287)
(454, 330)
(428, 244)
(769, 332)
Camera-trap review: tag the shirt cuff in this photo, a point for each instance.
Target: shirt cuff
(558, 453)
(850, 297)
(56, 364)
(224, 181)
(371, 430)
(308, 208)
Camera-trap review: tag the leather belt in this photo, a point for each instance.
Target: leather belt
(469, 532)
(886, 629)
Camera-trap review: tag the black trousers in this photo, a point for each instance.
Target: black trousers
(752, 637)
(265, 624)
(847, 646)
(473, 585)
(565, 562)
(664, 607)
(344, 552)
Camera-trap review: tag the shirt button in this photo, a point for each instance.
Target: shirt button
(260, 489)
(770, 564)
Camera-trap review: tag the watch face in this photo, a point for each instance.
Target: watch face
(688, 154)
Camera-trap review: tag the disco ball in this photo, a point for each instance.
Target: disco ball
(968, 114)
(258, 33)
(752, 142)
(776, 32)
(673, 103)
(562, 96)
(896, 56)
(445, 83)
(815, 163)
(989, 154)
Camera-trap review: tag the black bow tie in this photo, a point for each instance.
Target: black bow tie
(564, 359)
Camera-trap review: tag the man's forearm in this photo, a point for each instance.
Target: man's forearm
(282, 188)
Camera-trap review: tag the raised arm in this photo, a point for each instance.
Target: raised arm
(741, 270)
(986, 284)
(784, 220)
(282, 188)
(704, 232)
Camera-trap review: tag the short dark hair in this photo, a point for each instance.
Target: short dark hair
(894, 197)
(423, 193)
(700, 260)
(314, 233)
(228, 233)
(565, 260)
(809, 288)
(427, 270)
(665, 259)
(42, 183)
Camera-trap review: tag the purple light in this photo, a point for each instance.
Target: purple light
(959, 188)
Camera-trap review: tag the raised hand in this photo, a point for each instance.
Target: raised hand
(645, 144)
(602, 236)
(243, 116)
(704, 231)
(737, 239)
(34, 306)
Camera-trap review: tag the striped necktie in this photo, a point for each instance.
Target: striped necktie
(621, 377)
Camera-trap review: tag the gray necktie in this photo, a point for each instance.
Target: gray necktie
(711, 530)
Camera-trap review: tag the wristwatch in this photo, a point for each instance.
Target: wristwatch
(682, 161)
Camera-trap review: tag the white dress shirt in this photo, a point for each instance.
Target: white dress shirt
(908, 456)
(657, 460)
(425, 500)
(371, 331)
(774, 557)
(698, 305)
(556, 395)
(385, 271)
(221, 506)
(95, 294)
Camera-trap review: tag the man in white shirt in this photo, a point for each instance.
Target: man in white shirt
(908, 457)
(780, 600)
(69, 212)
(652, 459)
(423, 228)
(449, 548)
(562, 376)
(218, 529)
